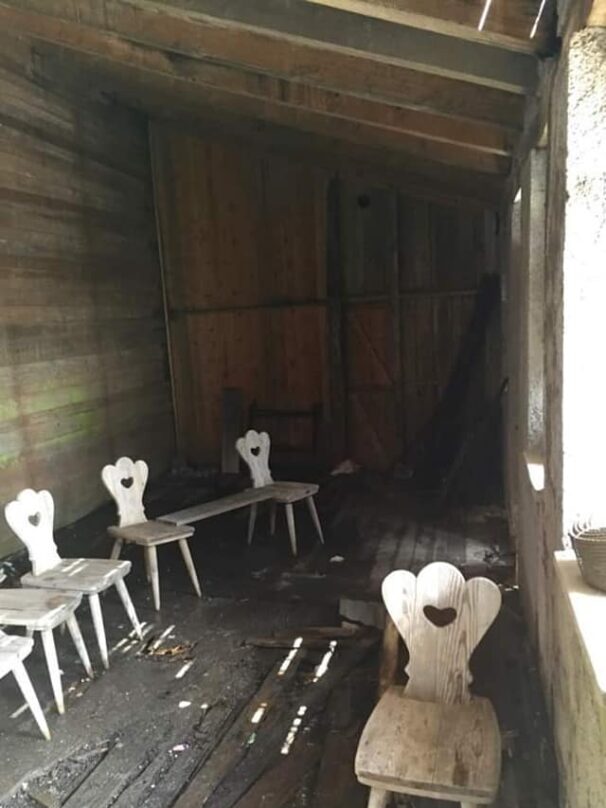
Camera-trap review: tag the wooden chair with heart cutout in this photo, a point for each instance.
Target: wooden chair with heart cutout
(126, 481)
(433, 738)
(254, 450)
(30, 516)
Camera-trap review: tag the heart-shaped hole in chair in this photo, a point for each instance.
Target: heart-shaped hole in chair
(255, 450)
(34, 519)
(440, 618)
(127, 482)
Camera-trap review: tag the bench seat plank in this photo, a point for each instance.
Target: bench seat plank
(215, 507)
(151, 532)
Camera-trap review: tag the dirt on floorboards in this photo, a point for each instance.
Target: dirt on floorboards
(197, 715)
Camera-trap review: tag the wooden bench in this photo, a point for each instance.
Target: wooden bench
(233, 502)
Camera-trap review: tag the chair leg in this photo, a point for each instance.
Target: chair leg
(116, 549)
(252, 518)
(378, 798)
(29, 694)
(273, 512)
(95, 610)
(189, 563)
(151, 557)
(290, 519)
(76, 634)
(315, 518)
(50, 651)
(129, 607)
(146, 562)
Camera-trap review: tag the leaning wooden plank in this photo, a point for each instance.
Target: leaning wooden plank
(235, 743)
(282, 729)
(218, 506)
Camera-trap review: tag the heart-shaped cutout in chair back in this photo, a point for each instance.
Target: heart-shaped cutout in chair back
(34, 519)
(255, 450)
(127, 482)
(440, 618)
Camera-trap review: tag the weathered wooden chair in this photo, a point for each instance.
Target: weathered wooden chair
(13, 650)
(43, 610)
(126, 482)
(31, 517)
(254, 450)
(432, 738)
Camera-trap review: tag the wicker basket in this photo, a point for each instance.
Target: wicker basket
(590, 546)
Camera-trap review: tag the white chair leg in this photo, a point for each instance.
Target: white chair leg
(273, 512)
(146, 562)
(129, 607)
(76, 634)
(116, 549)
(252, 518)
(378, 798)
(315, 518)
(97, 614)
(50, 651)
(151, 556)
(290, 519)
(189, 563)
(29, 694)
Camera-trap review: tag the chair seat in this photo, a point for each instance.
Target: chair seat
(287, 492)
(444, 751)
(87, 575)
(37, 609)
(151, 533)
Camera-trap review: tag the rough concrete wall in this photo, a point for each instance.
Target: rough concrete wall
(83, 368)
(575, 250)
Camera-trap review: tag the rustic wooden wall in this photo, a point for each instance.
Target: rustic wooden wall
(83, 369)
(301, 286)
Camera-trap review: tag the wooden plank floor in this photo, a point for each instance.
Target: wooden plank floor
(199, 713)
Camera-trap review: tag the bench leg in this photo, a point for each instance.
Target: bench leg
(129, 607)
(76, 634)
(315, 518)
(151, 563)
(116, 549)
(273, 512)
(50, 651)
(379, 798)
(290, 519)
(189, 563)
(29, 694)
(252, 518)
(97, 614)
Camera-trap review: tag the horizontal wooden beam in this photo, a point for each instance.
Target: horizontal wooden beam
(508, 24)
(341, 69)
(283, 101)
(424, 50)
(128, 80)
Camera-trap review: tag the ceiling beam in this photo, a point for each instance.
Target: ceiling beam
(133, 77)
(508, 25)
(242, 88)
(54, 20)
(423, 50)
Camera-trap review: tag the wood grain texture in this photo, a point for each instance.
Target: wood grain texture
(82, 346)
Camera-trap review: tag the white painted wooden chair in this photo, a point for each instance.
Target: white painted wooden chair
(254, 450)
(13, 650)
(126, 481)
(31, 517)
(432, 738)
(43, 610)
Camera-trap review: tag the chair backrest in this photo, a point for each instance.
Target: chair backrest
(30, 516)
(126, 481)
(254, 450)
(441, 618)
